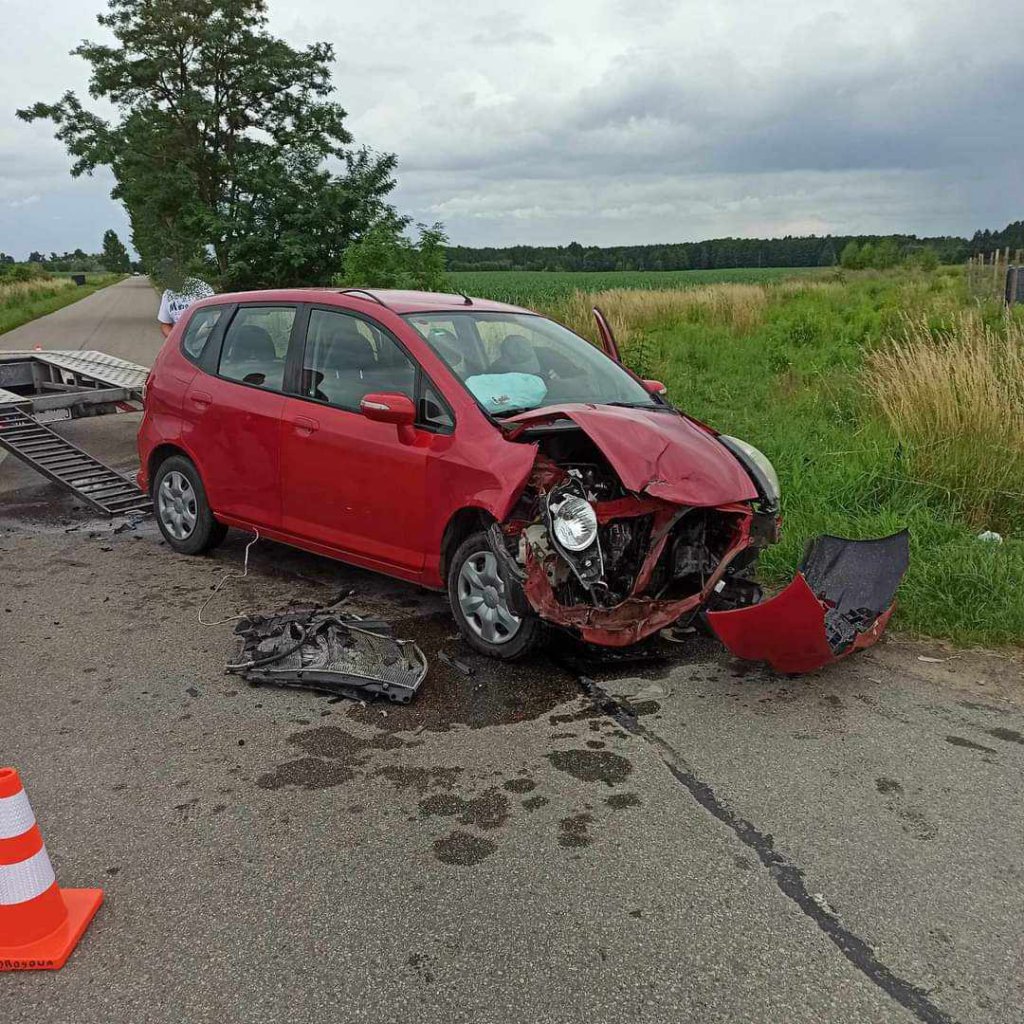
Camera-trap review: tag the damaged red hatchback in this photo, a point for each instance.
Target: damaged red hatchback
(479, 447)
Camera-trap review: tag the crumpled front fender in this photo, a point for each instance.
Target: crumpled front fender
(839, 602)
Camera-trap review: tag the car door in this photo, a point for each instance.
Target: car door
(348, 482)
(231, 416)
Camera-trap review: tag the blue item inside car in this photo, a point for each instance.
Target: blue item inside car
(497, 392)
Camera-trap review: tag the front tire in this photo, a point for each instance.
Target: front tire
(479, 602)
(181, 509)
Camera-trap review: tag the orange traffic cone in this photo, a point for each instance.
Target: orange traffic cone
(40, 924)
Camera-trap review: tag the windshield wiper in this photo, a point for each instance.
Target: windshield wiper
(502, 413)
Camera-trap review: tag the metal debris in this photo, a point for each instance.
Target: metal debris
(322, 649)
(466, 670)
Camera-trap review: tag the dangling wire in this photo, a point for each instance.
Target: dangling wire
(224, 579)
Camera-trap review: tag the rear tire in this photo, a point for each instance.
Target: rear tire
(181, 509)
(478, 599)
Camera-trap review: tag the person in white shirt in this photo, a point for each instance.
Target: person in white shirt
(180, 293)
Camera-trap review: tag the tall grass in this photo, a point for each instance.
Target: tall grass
(954, 395)
(18, 293)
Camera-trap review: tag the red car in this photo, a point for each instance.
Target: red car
(467, 445)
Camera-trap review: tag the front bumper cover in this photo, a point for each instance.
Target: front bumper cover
(839, 602)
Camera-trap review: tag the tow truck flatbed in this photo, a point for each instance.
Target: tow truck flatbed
(39, 387)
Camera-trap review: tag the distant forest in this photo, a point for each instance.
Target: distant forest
(722, 253)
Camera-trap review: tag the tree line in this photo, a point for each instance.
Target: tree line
(716, 253)
(113, 257)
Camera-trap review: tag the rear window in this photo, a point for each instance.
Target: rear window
(256, 344)
(200, 328)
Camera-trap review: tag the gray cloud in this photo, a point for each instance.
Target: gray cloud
(616, 121)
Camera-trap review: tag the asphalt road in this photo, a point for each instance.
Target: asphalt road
(688, 839)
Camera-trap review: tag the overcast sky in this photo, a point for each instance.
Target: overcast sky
(611, 121)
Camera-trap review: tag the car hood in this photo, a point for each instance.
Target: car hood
(658, 453)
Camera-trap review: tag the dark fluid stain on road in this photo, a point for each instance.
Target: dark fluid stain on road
(532, 803)
(644, 707)
(573, 830)
(463, 849)
(420, 779)
(338, 744)
(487, 811)
(1009, 735)
(444, 805)
(519, 785)
(620, 801)
(592, 765)
(308, 773)
(915, 824)
(959, 741)
(496, 693)
(884, 785)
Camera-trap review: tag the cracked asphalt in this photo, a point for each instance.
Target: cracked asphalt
(689, 838)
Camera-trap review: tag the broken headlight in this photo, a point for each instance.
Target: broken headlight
(574, 522)
(756, 463)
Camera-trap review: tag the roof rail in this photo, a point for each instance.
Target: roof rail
(369, 295)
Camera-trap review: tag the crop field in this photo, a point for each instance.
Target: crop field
(528, 287)
(885, 400)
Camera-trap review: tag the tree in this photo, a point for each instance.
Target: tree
(924, 258)
(225, 147)
(850, 258)
(887, 254)
(385, 258)
(115, 256)
(35, 257)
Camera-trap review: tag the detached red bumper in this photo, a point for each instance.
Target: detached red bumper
(839, 602)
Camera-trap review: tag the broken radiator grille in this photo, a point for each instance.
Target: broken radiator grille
(322, 650)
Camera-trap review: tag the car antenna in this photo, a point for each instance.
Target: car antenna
(363, 291)
(468, 302)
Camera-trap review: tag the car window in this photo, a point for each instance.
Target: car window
(433, 409)
(510, 362)
(199, 329)
(346, 358)
(256, 344)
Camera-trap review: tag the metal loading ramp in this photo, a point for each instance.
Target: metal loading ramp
(64, 463)
(38, 387)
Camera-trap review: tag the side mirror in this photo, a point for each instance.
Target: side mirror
(655, 387)
(389, 407)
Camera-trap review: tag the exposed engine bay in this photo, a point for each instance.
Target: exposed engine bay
(632, 521)
(613, 565)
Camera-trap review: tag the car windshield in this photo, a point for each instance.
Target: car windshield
(511, 362)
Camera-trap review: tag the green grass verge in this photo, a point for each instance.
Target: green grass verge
(792, 387)
(27, 308)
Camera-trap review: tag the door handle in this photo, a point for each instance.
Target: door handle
(304, 426)
(201, 398)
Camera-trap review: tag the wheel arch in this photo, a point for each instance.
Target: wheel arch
(461, 524)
